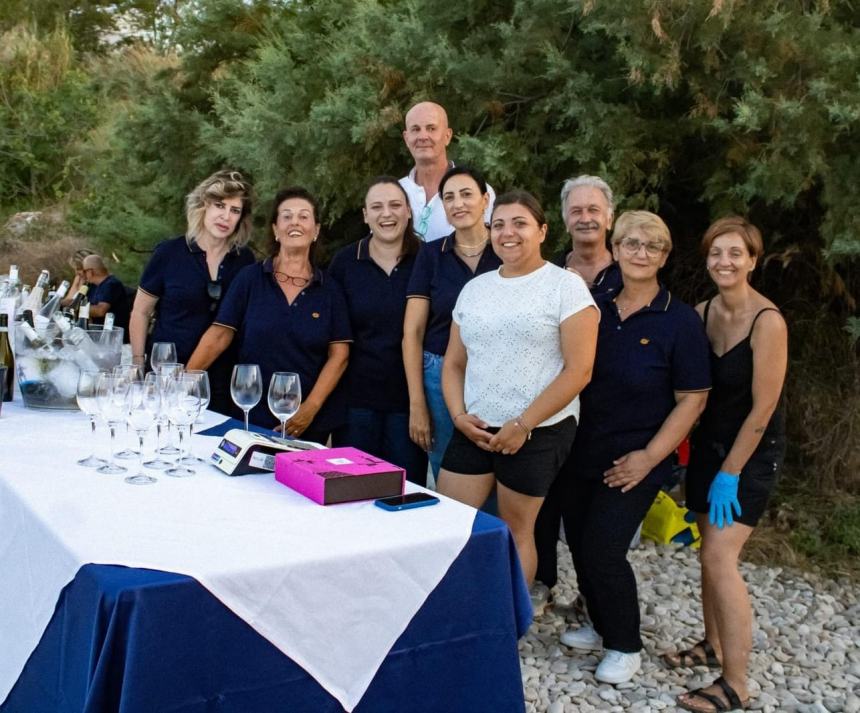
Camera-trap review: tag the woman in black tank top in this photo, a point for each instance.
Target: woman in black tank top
(737, 451)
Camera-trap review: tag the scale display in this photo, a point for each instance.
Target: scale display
(242, 452)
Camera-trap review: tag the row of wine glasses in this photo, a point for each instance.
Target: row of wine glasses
(285, 392)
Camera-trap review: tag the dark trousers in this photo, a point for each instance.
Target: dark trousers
(547, 528)
(384, 435)
(599, 523)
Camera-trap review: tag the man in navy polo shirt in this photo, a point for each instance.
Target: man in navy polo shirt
(427, 136)
(107, 295)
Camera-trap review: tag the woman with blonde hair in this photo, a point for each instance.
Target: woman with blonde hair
(650, 383)
(187, 277)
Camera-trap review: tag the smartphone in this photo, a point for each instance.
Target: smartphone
(405, 502)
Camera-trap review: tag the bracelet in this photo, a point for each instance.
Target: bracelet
(138, 356)
(519, 422)
(462, 413)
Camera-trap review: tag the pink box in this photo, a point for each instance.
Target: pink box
(338, 475)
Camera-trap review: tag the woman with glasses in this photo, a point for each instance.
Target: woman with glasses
(286, 315)
(374, 273)
(520, 350)
(441, 270)
(736, 452)
(187, 277)
(650, 383)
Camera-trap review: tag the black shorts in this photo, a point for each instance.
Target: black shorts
(529, 471)
(758, 478)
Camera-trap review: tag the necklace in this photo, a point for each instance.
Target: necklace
(480, 248)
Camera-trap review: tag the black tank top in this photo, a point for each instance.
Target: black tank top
(730, 400)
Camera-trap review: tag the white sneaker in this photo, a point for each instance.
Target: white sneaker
(617, 667)
(584, 638)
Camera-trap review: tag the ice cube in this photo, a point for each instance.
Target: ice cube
(29, 368)
(64, 377)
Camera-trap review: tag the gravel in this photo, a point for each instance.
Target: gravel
(806, 641)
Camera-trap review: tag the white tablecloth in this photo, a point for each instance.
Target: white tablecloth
(332, 587)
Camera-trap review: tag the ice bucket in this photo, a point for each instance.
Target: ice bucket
(48, 375)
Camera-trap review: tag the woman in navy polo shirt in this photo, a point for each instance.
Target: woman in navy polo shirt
(374, 273)
(186, 277)
(288, 316)
(650, 383)
(441, 269)
(736, 452)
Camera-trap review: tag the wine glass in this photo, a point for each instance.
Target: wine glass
(86, 396)
(246, 387)
(203, 380)
(183, 405)
(131, 372)
(143, 403)
(285, 397)
(166, 371)
(110, 397)
(162, 353)
(158, 463)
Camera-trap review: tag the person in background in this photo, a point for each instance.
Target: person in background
(650, 383)
(736, 453)
(521, 349)
(587, 208)
(441, 269)
(187, 277)
(374, 273)
(76, 263)
(427, 136)
(288, 316)
(107, 294)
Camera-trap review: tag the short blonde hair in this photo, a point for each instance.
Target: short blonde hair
(220, 185)
(649, 223)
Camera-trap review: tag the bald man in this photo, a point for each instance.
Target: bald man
(107, 294)
(427, 136)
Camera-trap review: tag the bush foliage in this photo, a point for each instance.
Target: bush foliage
(691, 109)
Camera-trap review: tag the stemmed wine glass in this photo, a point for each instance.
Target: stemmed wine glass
(86, 396)
(205, 395)
(166, 371)
(183, 405)
(143, 404)
(131, 372)
(246, 387)
(110, 397)
(162, 353)
(285, 397)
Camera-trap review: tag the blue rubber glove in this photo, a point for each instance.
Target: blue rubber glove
(723, 497)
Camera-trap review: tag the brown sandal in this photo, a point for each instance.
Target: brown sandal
(719, 705)
(692, 657)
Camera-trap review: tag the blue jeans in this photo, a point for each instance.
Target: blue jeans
(443, 427)
(384, 435)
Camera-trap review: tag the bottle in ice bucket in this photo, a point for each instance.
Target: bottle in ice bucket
(37, 294)
(84, 351)
(78, 299)
(43, 319)
(107, 327)
(7, 358)
(84, 315)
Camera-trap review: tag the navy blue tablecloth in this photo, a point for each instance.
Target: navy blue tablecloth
(144, 641)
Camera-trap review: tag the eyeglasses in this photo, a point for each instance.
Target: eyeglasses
(652, 249)
(213, 289)
(283, 277)
(424, 219)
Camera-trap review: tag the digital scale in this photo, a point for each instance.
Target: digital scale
(241, 452)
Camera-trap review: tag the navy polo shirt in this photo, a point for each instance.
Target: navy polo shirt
(178, 276)
(439, 275)
(112, 291)
(280, 336)
(607, 281)
(639, 364)
(375, 378)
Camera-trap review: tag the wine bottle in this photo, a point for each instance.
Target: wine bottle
(85, 351)
(106, 327)
(51, 306)
(7, 358)
(37, 294)
(78, 299)
(84, 315)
